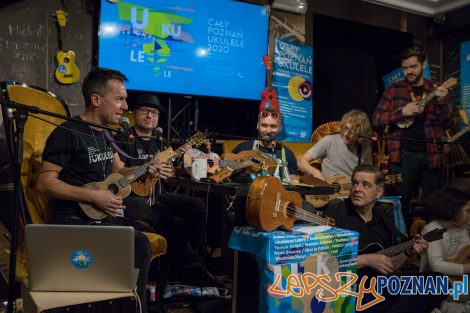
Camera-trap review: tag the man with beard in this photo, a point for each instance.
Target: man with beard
(416, 160)
(269, 126)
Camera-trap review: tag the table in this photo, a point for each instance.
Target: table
(307, 249)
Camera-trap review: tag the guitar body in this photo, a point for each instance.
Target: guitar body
(342, 186)
(269, 100)
(67, 71)
(143, 186)
(111, 183)
(259, 158)
(267, 203)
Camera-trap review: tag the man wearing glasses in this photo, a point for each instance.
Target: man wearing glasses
(269, 126)
(184, 240)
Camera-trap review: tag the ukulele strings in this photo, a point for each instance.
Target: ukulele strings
(299, 212)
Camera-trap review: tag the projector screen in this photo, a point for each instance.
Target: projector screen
(192, 47)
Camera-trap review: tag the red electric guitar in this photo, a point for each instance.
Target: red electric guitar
(269, 95)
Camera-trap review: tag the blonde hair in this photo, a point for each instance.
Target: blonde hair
(360, 124)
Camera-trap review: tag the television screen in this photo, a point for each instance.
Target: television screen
(194, 47)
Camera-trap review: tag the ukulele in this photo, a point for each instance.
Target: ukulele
(144, 184)
(394, 251)
(120, 183)
(67, 71)
(269, 206)
(269, 95)
(253, 160)
(408, 121)
(341, 186)
(214, 163)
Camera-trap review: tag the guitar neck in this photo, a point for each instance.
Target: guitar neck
(426, 99)
(394, 250)
(136, 173)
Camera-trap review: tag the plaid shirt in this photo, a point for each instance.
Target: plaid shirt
(389, 111)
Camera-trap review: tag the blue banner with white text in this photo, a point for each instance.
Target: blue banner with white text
(465, 77)
(292, 79)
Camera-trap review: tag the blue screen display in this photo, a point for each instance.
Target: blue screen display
(193, 47)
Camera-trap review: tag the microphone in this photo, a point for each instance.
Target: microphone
(272, 137)
(367, 136)
(124, 123)
(158, 132)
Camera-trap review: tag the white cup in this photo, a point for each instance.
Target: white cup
(198, 169)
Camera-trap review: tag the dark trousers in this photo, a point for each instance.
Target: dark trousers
(405, 303)
(142, 250)
(415, 172)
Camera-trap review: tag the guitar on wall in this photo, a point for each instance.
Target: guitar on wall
(408, 121)
(394, 252)
(269, 95)
(143, 185)
(341, 185)
(269, 206)
(67, 71)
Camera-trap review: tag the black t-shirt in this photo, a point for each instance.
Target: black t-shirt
(416, 130)
(290, 157)
(138, 148)
(141, 150)
(374, 231)
(84, 156)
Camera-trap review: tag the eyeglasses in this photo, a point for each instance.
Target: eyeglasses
(265, 114)
(153, 113)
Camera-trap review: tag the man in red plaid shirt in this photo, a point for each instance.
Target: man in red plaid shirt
(416, 160)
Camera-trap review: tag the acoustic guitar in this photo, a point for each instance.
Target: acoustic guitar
(408, 121)
(67, 71)
(252, 160)
(269, 206)
(341, 185)
(143, 185)
(462, 258)
(394, 251)
(120, 183)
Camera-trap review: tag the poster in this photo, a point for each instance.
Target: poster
(465, 77)
(292, 80)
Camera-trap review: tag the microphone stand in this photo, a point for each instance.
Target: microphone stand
(20, 116)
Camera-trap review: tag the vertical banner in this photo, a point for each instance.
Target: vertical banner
(465, 77)
(292, 79)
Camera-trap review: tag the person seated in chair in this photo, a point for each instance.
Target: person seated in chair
(362, 213)
(269, 125)
(451, 209)
(76, 154)
(341, 153)
(178, 218)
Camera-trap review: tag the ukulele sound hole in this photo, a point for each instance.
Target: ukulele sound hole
(113, 188)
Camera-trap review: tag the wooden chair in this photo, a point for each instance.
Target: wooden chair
(36, 132)
(323, 130)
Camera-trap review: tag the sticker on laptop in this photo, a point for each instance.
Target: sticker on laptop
(81, 259)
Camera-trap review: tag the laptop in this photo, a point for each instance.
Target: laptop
(80, 258)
